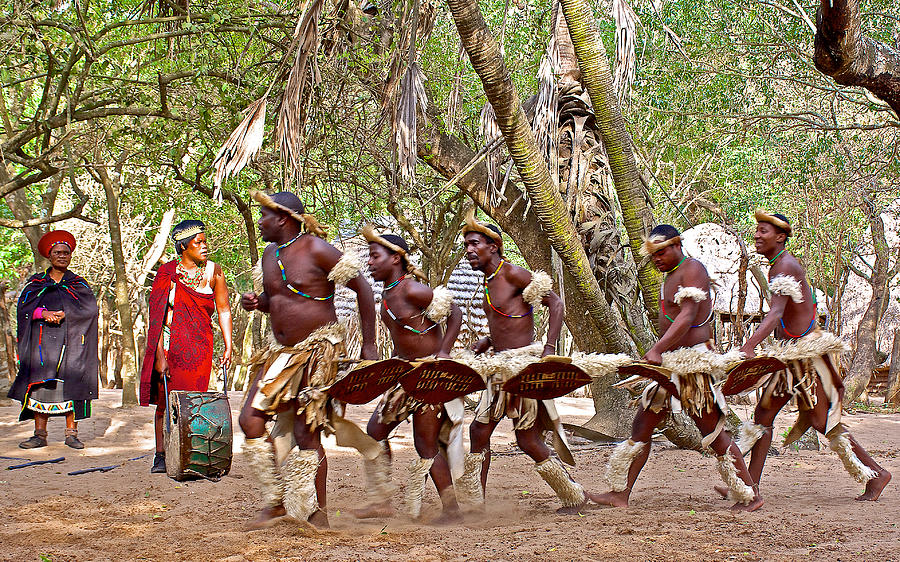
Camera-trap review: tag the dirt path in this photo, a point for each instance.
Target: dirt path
(129, 514)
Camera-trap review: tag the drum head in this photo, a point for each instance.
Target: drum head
(369, 380)
(655, 373)
(436, 382)
(546, 379)
(747, 374)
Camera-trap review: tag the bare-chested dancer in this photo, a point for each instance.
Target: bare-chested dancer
(299, 274)
(813, 359)
(510, 295)
(684, 348)
(413, 313)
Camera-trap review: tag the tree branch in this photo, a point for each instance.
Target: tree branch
(851, 58)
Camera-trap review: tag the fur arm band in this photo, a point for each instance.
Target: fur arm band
(693, 293)
(439, 309)
(346, 269)
(540, 285)
(787, 286)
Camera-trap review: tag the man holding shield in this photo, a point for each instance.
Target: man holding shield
(413, 314)
(685, 350)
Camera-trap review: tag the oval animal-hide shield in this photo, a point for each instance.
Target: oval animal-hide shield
(369, 380)
(748, 373)
(440, 381)
(655, 373)
(546, 379)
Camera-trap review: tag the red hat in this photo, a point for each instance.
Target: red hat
(53, 238)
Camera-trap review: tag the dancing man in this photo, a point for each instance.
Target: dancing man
(413, 313)
(179, 352)
(57, 335)
(299, 274)
(813, 375)
(510, 295)
(684, 349)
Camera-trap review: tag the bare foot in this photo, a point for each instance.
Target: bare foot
(722, 490)
(319, 520)
(374, 511)
(266, 518)
(752, 506)
(875, 486)
(615, 499)
(447, 518)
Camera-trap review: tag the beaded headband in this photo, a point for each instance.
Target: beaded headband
(186, 233)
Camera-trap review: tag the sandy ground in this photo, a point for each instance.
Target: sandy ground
(129, 514)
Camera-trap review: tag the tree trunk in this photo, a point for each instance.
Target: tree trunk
(597, 79)
(851, 58)
(892, 394)
(9, 342)
(120, 284)
(104, 339)
(866, 343)
(484, 53)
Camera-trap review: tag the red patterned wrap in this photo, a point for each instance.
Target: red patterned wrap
(191, 337)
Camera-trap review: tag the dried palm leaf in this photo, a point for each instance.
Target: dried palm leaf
(623, 76)
(545, 123)
(455, 98)
(412, 98)
(490, 131)
(242, 145)
(296, 102)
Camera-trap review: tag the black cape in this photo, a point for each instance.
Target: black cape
(67, 351)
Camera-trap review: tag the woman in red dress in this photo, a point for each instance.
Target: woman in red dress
(184, 295)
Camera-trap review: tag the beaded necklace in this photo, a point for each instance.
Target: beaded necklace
(387, 309)
(287, 283)
(487, 296)
(190, 279)
(773, 260)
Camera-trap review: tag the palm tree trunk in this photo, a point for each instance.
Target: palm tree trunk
(597, 79)
(484, 53)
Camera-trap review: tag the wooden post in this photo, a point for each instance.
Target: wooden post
(892, 394)
(9, 341)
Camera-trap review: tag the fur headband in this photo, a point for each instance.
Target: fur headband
(368, 232)
(762, 216)
(473, 225)
(307, 221)
(657, 243)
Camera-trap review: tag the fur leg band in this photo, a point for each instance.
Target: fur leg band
(300, 499)
(738, 490)
(261, 457)
(415, 489)
(750, 433)
(378, 476)
(840, 444)
(620, 462)
(570, 493)
(468, 486)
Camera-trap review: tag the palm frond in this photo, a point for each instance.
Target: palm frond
(242, 145)
(623, 75)
(490, 131)
(412, 98)
(455, 98)
(545, 122)
(296, 102)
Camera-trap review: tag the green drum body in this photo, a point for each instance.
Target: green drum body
(199, 435)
